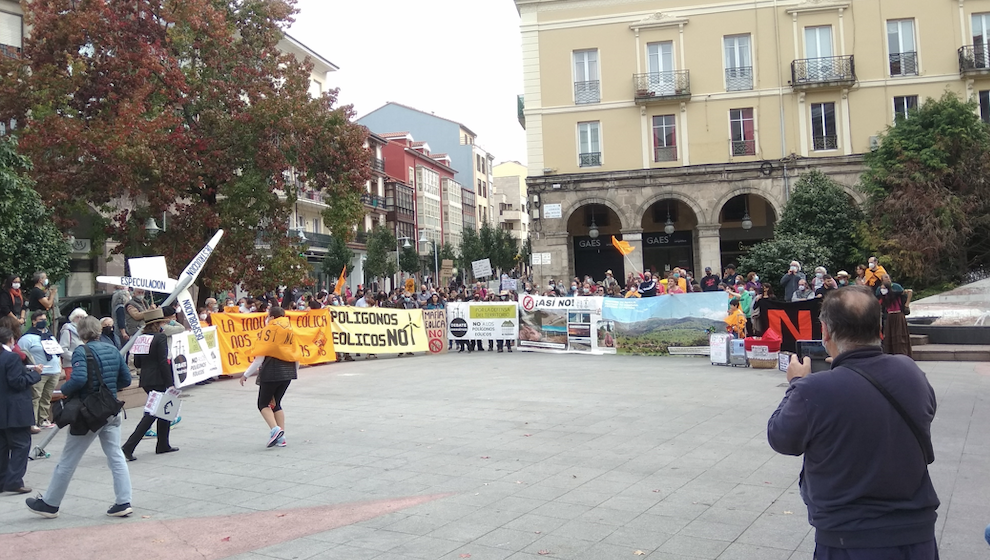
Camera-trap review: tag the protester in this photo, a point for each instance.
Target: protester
(803, 291)
(12, 300)
(16, 416)
(115, 375)
(609, 281)
(753, 283)
(118, 302)
(865, 475)
(874, 273)
(729, 279)
(69, 339)
(894, 299)
(819, 280)
(860, 279)
(51, 371)
(41, 296)
(156, 375)
(274, 377)
(791, 280)
(828, 284)
(648, 287)
(134, 309)
(709, 282)
(842, 279)
(736, 321)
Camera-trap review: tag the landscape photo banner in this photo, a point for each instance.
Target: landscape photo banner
(649, 326)
(483, 321)
(239, 333)
(560, 325)
(378, 330)
(793, 321)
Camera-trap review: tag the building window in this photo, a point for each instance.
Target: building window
(985, 106)
(315, 88)
(661, 80)
(823, 127)
(589, 144)
(664, 138)
(586, 84)
(412, 176)
(743, 129)
(738, 63)
(981, 38)
(901, 48)
(316, 225)
(903, 105)
(11, 37)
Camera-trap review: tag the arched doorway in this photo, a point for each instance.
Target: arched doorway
(745, 220)
(668, 236)
(591, 228)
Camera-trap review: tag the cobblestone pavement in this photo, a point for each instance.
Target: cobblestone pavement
(489, 456)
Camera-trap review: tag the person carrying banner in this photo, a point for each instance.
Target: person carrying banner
(156, 375)
(276, 364)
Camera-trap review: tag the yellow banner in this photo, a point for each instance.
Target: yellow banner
(489, 311)
(242, 336)
(377, 330)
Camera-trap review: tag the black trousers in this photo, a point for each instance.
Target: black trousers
(163, 427)
(15, 446)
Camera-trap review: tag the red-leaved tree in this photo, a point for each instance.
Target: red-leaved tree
(135, 108)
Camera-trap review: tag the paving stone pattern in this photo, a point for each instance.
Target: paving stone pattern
(544, 456)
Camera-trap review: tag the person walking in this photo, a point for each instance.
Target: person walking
(156, 375)
(16, 417)
(115, 375)
(276, 364)
(33, 342)
(864, 429)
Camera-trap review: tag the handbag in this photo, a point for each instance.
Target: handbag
(101, 404)
(925, 442)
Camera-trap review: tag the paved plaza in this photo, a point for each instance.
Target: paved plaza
(488, 456)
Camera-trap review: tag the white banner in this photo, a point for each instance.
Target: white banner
(568, 324)
(482, 321)
(194, 359)
(482, 268)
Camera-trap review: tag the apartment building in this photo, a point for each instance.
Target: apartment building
(681, 126)
(512, 199)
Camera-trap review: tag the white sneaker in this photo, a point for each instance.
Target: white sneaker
(275, 434)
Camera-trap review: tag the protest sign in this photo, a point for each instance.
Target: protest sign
(240, 332)
(483, 321)
(482, 268)
(559, 324)
(377, 330)
(194, 360)
(435, 322)
(164, 405)
(649, 326)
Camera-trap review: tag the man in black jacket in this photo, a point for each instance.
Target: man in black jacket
(865, 478)
(16, 415)
(156, 375)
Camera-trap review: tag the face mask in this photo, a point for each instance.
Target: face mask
(802, 288)
(819, 275)
(108, 332)
(41, 325)
(873, 266)
(16, 285)
(44, 282)
(676, 276)
(752, 292)
(793, 269)
(883, 291)
(756, 279)
(202, 316)
(842, 282)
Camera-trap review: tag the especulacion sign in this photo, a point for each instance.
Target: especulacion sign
(482, 321)
(376, 330)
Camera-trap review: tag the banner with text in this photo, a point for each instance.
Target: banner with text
(195, 360)
(483, 321)
(793, 321)
(377, 330)
(435, 321)
(240, 332)
(570, 324)
(649, 326)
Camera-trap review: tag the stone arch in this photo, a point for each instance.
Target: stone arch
(775, 203)
(571, 208)
(699, 213)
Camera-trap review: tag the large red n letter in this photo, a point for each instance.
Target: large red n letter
(778, 318)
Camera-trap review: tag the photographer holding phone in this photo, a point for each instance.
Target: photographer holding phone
(864, 428)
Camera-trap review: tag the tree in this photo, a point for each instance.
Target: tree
(821, 209)
(928, 188)
(526, 253)
(135, 108)
(771, 259)
(381, 260)
(447, 252)
(29, 239)
(471, 250)
(409, 261)
(498, 246)
(338, 256)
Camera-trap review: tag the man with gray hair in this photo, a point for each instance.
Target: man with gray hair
(864, 428)
(791, 280)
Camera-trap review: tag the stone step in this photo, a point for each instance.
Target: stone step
(951, 353)
(919, 340)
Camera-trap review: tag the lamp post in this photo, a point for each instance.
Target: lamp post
(436, 266)
(405, 245)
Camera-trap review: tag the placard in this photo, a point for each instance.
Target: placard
(718, 346)
(51, 346)
(378, 330)
(142, 345)
(164, 405)
(435, 322)
(483, 321)
(482, 268)
(194, 360)
(552, 211)
(570, 324)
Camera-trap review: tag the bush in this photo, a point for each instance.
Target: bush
(771, 259)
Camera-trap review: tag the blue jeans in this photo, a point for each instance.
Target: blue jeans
(921, 551)
(75, 447)
(986, 534)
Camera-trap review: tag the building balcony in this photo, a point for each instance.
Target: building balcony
(318, 240)
(373, 201)
(664, 153)
(587, 92)
(974, 60)
(308, 196)
(9, 51)
(361, 237)
(904, 64)
(739, 79)
(825, 143)
(512, 215)
(590, 159)
(662, 86)
(378, 164)
(742, 148)
(832, 71)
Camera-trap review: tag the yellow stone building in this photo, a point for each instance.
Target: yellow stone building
(681, 126)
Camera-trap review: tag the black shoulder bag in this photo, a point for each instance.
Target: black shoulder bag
(101, 404)
(926, 443)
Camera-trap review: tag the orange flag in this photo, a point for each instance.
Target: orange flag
(623, 246)
(340, 281)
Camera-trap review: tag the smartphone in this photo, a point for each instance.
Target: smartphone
(814, 349)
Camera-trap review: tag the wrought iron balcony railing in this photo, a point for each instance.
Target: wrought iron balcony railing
(904, 64)
(664, 153)
(742, 147)
(587, 92)
(591, 159)
(378, 164)
(373, 201)
(974, 59)
(662, 85)
(828, 71)
(9, 51)
(821, 143)
(739, 79)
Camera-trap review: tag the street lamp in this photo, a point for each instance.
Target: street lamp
(747, 223)
(668, 227)
(593, 230)
(436, 265)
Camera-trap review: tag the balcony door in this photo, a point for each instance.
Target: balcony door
(818, 49)
(660, 59)
(981, 40)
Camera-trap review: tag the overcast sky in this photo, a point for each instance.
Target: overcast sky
(460, 59)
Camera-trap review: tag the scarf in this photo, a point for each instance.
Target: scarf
(16, 295)
(44, 335)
